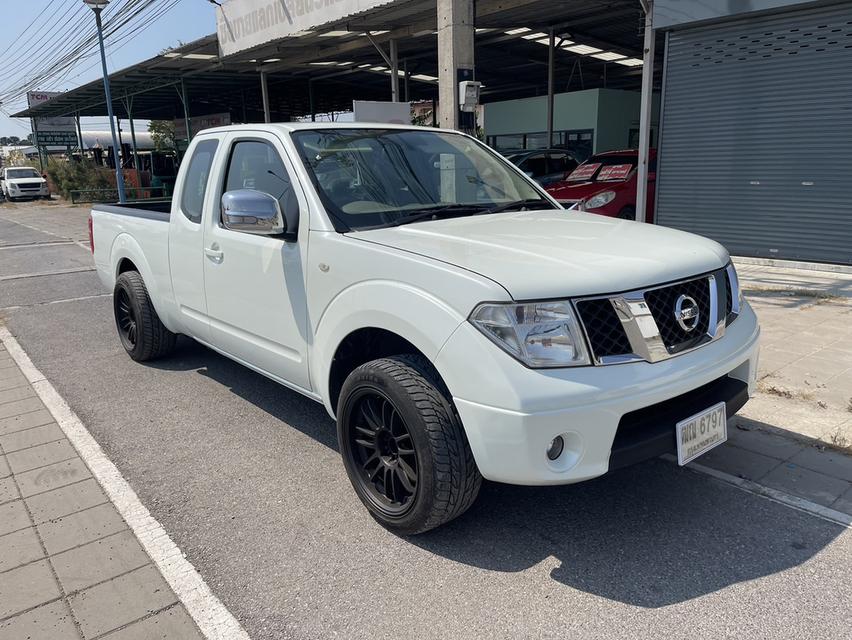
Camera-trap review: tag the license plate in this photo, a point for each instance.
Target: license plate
(699, 433)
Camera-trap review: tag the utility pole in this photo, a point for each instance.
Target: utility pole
(97, 6)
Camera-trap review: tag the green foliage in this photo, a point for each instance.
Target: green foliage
(163, 134)
(67, 176)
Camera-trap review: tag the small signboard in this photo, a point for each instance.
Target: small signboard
(615, 172)
(55, 139)
(58, 131)
(584, 171)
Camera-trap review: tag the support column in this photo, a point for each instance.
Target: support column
(647, 98)
(405, 93)
(128, 106)
(551, 63)
(394, 70)
(79, 134)
(264, 90)
(184, 98)
(455, 58)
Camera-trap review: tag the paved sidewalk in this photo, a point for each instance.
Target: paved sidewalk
(781, 276)
(70, 567)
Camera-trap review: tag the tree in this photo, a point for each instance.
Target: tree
(163, 134)
(14, 140)
(4, 141)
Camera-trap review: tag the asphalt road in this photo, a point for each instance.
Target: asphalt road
(246, 478)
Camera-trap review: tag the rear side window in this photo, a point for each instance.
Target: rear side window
(195, 183)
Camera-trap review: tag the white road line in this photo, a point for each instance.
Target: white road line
(58, 272)
(30, 245)
(41, 304)
(211, 616)
(795, 502)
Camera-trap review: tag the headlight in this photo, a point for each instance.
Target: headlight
(599, 200)
(539, 334)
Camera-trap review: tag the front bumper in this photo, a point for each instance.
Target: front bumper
(608, 416)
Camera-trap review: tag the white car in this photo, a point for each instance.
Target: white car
(455, 321)
(23, 182)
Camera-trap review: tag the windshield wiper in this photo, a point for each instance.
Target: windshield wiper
(520, 205)
(436, 212)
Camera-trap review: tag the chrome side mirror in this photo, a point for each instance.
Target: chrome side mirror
(252, 211)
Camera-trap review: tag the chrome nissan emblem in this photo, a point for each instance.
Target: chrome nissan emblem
(686, 313)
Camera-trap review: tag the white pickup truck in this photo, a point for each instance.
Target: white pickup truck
(452, 317)
(23, 182)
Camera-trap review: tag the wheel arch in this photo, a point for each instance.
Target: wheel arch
(375, 320)
(127, 255)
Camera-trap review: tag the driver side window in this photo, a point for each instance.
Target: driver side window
(255, 164)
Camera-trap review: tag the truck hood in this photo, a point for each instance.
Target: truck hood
(553, 254)
(23, 182)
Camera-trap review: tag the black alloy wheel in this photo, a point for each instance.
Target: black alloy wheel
(403, 446)
(383, 451)
(125, 318)
(140, 330)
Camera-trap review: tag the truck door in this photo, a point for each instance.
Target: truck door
(186, 238)
(255, 284)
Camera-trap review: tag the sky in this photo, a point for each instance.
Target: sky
(187, 21)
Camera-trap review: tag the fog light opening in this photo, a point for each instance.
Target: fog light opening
(555, 448)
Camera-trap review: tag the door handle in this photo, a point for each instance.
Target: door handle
(214, 253)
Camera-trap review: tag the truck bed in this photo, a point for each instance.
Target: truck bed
(152, 209)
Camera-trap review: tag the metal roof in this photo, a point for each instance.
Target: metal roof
(345, 67)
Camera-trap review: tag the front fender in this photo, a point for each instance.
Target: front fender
(416, 315)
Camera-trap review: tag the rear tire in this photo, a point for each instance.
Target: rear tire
(403, 445)
(142, 334)
(627, 213)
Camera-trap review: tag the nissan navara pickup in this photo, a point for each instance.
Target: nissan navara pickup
(451, 316)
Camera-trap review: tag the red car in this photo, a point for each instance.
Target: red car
(606, 184)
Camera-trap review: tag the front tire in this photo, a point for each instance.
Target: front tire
(627, 213)
(142, 334)
(403, 445)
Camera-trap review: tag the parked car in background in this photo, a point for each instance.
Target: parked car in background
(455, 321)
(23, 182)
(606, 184)
(545, 166)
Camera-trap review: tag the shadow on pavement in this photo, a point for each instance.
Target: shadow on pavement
(649, 536)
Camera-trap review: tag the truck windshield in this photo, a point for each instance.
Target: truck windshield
(14, 174)
(385, 177)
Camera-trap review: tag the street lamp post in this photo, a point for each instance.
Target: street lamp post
(97, 6)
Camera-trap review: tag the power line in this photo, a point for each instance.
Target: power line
(54, 65)
(27, 28)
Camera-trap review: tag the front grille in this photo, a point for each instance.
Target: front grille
(29, 187)
(662, 302)
(604, 329)
(606, 333)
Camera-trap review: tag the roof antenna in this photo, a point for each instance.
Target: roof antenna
(218, 4)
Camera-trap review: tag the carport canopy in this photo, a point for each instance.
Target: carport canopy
(598, 44)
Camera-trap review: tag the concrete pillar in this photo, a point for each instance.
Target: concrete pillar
(647, 98)
(79, 134)
(455, 57)
(551, 64)
(394, 70)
